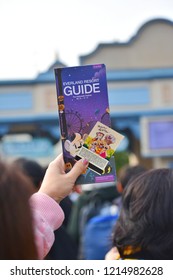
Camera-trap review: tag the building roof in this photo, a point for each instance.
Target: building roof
(112, 74)
(43, 77)
(130, 41)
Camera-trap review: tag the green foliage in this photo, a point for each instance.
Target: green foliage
(121, 159)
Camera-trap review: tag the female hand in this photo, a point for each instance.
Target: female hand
(113, 254)
(58, 184)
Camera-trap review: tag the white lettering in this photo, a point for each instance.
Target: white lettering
(67, 91)
(81, 89)
(96, 87)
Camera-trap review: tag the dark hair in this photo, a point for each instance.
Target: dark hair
(16, 230)
(32, 169)
(146, 217)
(128, 173)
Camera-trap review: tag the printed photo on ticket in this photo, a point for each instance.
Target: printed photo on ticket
(99, 146)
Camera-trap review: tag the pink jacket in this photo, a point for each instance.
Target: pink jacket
(48, 216)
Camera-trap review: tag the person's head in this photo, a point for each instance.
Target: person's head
(32, 169)
(128, 173)
(146, 217)
(16, 232)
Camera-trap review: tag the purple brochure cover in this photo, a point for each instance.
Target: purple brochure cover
(82, 101)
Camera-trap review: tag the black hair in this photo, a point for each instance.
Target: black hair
(146, 217)
(128, 173)
(32, 169)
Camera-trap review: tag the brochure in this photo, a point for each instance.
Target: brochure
(85, 123)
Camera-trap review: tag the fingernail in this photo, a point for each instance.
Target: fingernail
(85, 161)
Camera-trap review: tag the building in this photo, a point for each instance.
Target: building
(29, 123)
(140, 84)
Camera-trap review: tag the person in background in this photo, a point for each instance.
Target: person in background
(126, 174)
(32, 169)
(35, 172)
(16, 232)
(28, 218)
(63, 247)
(144, 228)
(103, 192)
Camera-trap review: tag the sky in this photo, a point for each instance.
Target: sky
(34, 33)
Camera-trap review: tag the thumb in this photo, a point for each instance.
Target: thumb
(79, 167)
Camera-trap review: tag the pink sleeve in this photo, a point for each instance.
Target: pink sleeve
(48, 216)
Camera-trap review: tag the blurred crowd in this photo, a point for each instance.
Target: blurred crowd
(44, 216)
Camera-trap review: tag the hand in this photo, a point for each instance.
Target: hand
(113, 254)
(58, 184)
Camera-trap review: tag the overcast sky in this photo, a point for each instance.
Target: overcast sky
(34, 32)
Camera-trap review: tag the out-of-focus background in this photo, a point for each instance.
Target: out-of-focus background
(133, 38)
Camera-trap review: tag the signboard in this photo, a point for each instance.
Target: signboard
(157, 136)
